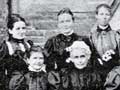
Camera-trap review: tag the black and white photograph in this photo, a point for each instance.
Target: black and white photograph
(59, 44)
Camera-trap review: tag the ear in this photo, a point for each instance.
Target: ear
(10, 31)
(96, 16)
(88, 57)
(28, 61)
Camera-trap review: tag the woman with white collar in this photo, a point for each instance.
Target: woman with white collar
(105, 42)
(13, 50)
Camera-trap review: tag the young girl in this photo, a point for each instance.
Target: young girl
(81, 75)
(55, 46)
(13, 50)
(36, 77)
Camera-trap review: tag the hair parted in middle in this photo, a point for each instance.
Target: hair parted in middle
(67, 11)
(105, 6)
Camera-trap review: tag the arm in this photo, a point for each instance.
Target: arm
(94, 56)
(3, 51)
(112, 81)
(18, 82)
(49, 54)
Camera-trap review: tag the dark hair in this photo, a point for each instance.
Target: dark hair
(35, 49)
(103, 5)
(14, 18)
(66, 10)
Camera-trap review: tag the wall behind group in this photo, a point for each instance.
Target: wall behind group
(3, 19)
(41, 16)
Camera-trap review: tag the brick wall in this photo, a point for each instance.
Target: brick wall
(41, 14)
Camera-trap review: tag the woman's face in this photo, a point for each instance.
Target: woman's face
(18, 30)
(79, 58)
(103, 16)
(65, 23)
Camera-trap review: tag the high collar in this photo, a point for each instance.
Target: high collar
(43, 68)
(66, 38)
(84, 70)
(70, 33)
(99, 29)
(15, 40)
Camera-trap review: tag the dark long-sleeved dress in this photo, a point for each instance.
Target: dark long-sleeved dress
(12, 53)
(29, 81)
(56, 57)
(55, 46)
(84, 79)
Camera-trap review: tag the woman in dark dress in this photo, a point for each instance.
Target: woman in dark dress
(81, 75)
(13, 50)
(55, 46)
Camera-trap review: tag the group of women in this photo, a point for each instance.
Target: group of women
(67, 68)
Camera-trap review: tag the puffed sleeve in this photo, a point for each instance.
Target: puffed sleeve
(49, 54)
(49, 47)
(112, 81)
(17, 82)
(96, 81)
(118, 42)
(3, 51)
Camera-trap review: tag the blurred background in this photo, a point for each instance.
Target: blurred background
(41, 16)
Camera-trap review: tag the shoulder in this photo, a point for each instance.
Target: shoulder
(51, 39)
(4, 46)
(113, 74)
(115, 34)
(4, 43)
(93, 33)
(76, 36)
(116, 70)
(93, 29)
(30, 42)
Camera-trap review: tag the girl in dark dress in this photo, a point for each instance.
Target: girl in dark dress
(13, 50)
(36, 77)
(55, 57)
(81, 75)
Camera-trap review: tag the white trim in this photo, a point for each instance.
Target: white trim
(22, 47)
(28, 45)
(43, 68)
(10, 49)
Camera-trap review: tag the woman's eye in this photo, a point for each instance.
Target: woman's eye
(17, 28)
(82, 56)
(41, 58)
(35, 57)
(23, 27)
(101, 14)
(76, 57)
(67, 20)
(61, 22)
(108, 14)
